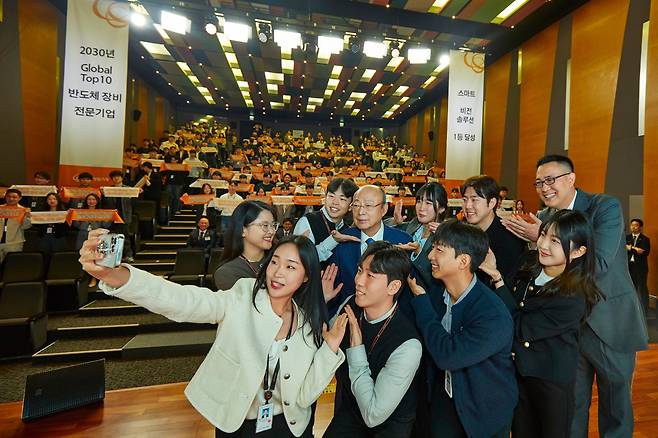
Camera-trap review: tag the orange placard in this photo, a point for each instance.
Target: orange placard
(308, 200)
(174, 167)
(245, 188)
(3, 190)
(196, 199)
(13, 212)
(301, 165)
(130, 162)
(265, 199)
(414, 179)
(93, 215)
(407, 201)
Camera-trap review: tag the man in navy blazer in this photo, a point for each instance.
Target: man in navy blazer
(615, 330)
(368, 208)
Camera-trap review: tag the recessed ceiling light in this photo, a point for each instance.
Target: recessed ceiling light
(237, 31)
(175, 23)
(137, 19)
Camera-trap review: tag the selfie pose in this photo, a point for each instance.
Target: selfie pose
(273, 354)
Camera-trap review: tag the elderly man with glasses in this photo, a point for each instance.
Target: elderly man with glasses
(615, 330)
(368, 208)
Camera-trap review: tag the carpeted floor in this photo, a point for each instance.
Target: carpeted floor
(119, 373)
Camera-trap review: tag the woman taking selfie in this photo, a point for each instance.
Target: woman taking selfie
(273, 354)
(549, 301)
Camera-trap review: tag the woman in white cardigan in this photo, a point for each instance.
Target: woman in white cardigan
(268, 344)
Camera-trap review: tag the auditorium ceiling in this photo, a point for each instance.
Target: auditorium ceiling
(300, 75)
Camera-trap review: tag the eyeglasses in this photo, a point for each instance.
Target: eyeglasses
(266, 226)
(549, 180)
(366, 207)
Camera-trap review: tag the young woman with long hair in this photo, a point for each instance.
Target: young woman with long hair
(52, 237)
(431, 210)
(273, 354)
(549, 301)
(247, 240)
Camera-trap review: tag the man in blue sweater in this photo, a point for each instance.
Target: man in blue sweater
(468, 333)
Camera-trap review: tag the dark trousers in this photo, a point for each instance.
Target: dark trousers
(639, 276)
(279, 430)
(614, 374)
(347, 423)
(545, 409)
(444, 420)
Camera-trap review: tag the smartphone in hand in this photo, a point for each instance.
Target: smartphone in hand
(111, 247)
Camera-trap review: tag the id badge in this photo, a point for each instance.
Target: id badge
(207, 238)
(448, 383)
(49, 230)
(265, 417)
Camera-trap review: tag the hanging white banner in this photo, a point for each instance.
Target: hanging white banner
(94, 91)
(465, 100)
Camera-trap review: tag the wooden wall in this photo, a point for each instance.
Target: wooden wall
(651, 149)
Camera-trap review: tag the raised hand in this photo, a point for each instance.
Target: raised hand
(416, 289)
(398, 218)
(410, 246)
(328, 279)
(340, 237)
(114, 277)
(523, 229)
(432, 226)
(334, 337)
(356, 338)
(488, 266)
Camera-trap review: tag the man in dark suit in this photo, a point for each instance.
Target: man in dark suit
(638, 247)
(368, 208)
(285, 230)
(202, 237)
(615, 330)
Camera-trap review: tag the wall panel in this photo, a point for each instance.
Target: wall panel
(538, 57)
(495, 94)
(597, 36)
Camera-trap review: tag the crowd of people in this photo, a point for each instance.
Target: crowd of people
(435, 320)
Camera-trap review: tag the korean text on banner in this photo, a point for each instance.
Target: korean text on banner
(465, 101)
(94, 90)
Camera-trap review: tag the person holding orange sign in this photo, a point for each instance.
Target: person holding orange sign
(14, 220)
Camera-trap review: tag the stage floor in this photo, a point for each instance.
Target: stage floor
(163, 410)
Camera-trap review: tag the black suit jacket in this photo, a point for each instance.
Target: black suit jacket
(618, 320)
(206, 243)
(640, 260)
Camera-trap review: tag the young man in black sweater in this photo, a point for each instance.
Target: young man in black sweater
(376, 388)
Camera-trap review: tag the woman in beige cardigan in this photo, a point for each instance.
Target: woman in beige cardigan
(272, 354)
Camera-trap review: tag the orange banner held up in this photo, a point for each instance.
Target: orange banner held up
(407, 201)
(13, 212)
(265, 199)
(196, 199)
(67, 193)
(308, 200)
(93, 215)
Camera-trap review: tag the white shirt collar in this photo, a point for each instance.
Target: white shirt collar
(326, 214)
(379, 235)
(381, 318)
(573, 201)
(447, 298)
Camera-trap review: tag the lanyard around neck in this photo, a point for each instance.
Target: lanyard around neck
(268, 386)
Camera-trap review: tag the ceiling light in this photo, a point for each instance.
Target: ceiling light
(137, 19)
(286, 39)
(444, 60)
(374, 49)
(329, 44)
(419, 55)
(395, 49)
(211, 28)
(264, 32)
(237, 31)
(175, 23)
(508, 11)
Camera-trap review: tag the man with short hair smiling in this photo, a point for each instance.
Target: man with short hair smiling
(615, 330)
(468, 333)
(368, 210)
(480, 195)
(376, 386)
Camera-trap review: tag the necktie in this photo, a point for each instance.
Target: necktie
(369, 241)
(201, 235)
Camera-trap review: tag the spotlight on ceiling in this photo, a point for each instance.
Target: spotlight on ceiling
(354, 44)
(264, 32)
(287, 39)
(237, 31)
(419, 55)
(210, 27)
(374, 49)
(395, 49)
(329, 44)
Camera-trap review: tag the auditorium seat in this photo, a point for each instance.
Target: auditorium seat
(23, 318)
(22, 266)
(213, 264)
(66, 282)
(146, 212)
(190, 266)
